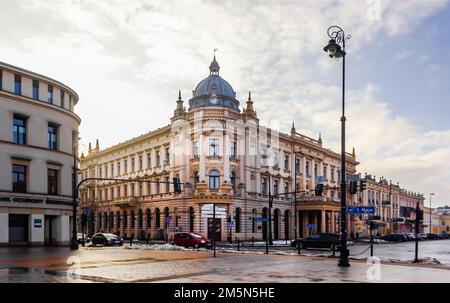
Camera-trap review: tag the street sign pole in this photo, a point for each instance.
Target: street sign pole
(214, 229)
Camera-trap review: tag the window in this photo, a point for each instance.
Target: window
(157, 218)
(233, 180)
(125, 190)
(17, 84)
(315, 170)
(167, 185)
(158, 186)
(149, 188)
(286, 162)
(297, 166)
(35, 92)
(100, 174)
(332, 174)
(233, 150)
(50, 94)
(132, 165)
(19, 130)
(149, 160)
(307, 168)
(286, 189)
(118, 168)
(158, 158)
(125, 166)
(118, 192)
(264, 186)
(63, 101)
(70, 102)
(196, 149)
(214, 179)
(196, 178)
(112, 169)
(19, 178)
(141, 166)
(52, 137)
(106, 171)
(167, 155)
(275, 187)
(132, 190)
(214, 147)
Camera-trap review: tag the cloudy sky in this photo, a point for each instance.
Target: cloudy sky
(128, 59)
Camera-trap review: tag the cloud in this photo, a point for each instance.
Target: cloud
(128, 59)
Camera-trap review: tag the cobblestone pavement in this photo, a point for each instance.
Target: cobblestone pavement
(122, 265)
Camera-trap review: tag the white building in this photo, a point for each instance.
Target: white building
(38, 128)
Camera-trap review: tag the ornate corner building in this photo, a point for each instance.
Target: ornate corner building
(222, 155)
(38, 133)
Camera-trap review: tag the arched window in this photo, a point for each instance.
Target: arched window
(254, 214)
(214, 179)
(238, 220)
(118, 219)
(233, 180)
(148, 218)
(140, 219)
(132, 219)
(99, 221)
(196, 178)
(125, 219)
(191, 219)
(157, 218)
(166, 217)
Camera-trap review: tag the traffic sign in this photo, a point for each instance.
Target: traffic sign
(262, 219)
(361, 209)
(230, 224)
(310, 225)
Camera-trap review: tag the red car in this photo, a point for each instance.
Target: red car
(191, 240)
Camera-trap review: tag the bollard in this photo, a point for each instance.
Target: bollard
(299, 247)
(239, 244)
(131, 241)
(267, 247)
(148, 238)
(334, 249)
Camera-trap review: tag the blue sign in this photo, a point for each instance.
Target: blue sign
(361, 210)
(230, 224)
(262, 219)
(310, 225)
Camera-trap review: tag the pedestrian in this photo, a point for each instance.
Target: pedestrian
(352, 236)
(357, 236)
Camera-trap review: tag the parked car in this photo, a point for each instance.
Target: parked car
(106, 239)
(394, 238)
(432, 237)
(423, 236)
(445, 236)
(188, 239)
(411, 236)
(319, 240)
(81, 236)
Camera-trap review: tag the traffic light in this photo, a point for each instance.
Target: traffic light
(353, 187)
(176, 185)
(420, 215)
(319, 189)
(362, 185)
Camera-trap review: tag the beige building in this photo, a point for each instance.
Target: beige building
(38, 127)
(222, 155)
(394, 205)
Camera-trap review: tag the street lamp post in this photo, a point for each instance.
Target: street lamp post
(431, 229)
(74, 241)
(337, 37)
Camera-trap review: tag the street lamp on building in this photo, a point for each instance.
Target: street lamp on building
(335, 51)
(74, 241)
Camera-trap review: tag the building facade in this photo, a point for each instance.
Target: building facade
(394, 205)
(38, 130)
(222, 155)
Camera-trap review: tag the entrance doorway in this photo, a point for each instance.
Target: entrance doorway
(50, 231)
(218, 227)
(18, 229)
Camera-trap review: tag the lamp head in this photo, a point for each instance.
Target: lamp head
(334, 50)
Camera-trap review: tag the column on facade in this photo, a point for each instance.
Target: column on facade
(304, 172)
(313, 178)
(202, 164)
(226, 157)
(323, 221)
(333, 222)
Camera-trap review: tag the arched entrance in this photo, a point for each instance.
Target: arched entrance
(276, 224)
(265, 213)
(287, 215)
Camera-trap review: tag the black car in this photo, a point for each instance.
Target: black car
(106, 239)
(319, 240)
(395, 238)
(432, 237)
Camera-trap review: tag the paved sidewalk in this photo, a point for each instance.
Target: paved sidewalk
(123, 265)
